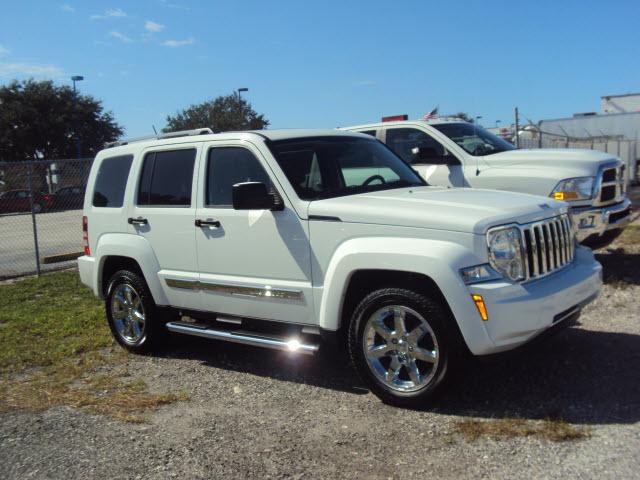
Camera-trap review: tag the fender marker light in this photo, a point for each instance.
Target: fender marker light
(565, 195)
(482, 309)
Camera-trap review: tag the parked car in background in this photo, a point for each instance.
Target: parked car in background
(453, 153)
(14, 201)
(68, 198)
(287, 239)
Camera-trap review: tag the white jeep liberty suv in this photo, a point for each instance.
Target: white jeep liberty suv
(284, 239)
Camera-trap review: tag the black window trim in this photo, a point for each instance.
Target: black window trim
(154, 151)
(207, 157)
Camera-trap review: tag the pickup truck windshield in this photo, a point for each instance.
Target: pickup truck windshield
(325, 167)
(473, 139)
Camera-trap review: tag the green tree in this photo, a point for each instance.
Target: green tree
(222, 114)
(41, 120)
(463, 116)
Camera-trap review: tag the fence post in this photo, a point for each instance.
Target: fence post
(33, 219)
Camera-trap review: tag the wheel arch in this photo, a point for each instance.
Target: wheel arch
(119, 250)
(422, 265)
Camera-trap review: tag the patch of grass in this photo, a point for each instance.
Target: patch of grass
(554, 429)
(48, 319)
(53, 342)
(630, 237)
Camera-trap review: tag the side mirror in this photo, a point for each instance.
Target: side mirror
(252, 196)
(430, 156)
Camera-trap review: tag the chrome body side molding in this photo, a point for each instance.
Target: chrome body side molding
(234, 289)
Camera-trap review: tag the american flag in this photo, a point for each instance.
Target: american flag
(432, 114)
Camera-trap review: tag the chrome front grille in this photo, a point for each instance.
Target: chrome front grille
(548, 246)
(610, 184)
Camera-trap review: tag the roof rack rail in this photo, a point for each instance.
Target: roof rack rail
(182, 133)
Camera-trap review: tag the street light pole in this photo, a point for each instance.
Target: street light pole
(240, 90)
(74, 79)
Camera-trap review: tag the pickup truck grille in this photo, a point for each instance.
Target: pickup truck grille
(548, 246)
(612, 185)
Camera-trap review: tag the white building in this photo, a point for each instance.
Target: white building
(629, 102)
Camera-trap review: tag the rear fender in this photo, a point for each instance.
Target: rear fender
(137, 248)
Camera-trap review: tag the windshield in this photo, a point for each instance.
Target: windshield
(473, 139)
(325, 167)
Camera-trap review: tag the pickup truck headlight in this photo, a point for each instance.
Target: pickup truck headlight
(580, 188)
(505, 252)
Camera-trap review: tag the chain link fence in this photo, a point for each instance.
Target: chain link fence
(41, 215)
(627, 150)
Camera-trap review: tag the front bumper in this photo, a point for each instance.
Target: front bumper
(519, 312)
(595, 221)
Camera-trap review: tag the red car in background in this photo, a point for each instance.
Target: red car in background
(14, 201)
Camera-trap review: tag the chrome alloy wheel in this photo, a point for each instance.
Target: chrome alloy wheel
(400, 348)
(128, 313)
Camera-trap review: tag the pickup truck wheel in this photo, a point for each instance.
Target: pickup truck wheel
(132, 313)
(399, 345)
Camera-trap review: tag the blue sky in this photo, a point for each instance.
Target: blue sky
(329, 63)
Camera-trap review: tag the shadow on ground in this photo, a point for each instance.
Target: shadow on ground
(619, 266)
(579, 375)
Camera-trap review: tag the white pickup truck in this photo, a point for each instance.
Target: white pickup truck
(454, 153)
(286, 238)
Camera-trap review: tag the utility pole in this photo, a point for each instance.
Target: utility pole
(517, 129)
(240, 90)
(74, 79)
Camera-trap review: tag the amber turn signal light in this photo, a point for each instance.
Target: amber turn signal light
(482, 309)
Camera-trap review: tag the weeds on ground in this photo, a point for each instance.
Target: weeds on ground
(630, 237)
(56, 349)
(554, 429)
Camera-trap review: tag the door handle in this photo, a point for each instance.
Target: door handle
(207, 223)
(137, 221)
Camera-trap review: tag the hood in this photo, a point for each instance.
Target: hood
(460, 209)
(584, 162)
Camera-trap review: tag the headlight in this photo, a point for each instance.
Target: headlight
(505, 252)
(580, 188)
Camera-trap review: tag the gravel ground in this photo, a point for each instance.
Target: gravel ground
(258, 414)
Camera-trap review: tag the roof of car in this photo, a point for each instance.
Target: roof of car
(431, 121)
(273, 135)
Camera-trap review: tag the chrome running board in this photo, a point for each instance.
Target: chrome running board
(277, 343)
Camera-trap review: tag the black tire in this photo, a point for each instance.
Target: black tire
(441, 324)
(153, 332)
(37, 208)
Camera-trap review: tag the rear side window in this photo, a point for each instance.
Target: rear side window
(227, 166)
(167, 178)
(111, 181)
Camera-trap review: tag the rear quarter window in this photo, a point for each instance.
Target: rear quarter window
(111, 181)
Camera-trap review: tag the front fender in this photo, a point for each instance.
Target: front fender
(437, 259)
(137, 248)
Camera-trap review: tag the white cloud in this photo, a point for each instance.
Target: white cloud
(153, 26)
(28, 69)
(67, 8)
(120, 36)
(178, 43)
(110, 13)
(4, 51)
